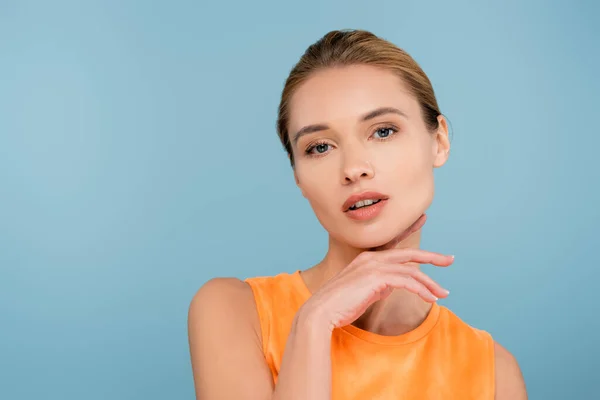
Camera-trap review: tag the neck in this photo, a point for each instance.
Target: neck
(399, 313)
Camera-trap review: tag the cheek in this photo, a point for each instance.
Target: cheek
(408, 162)
(409, 172)
(318, 186)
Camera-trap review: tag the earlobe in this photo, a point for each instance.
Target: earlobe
(442, 144)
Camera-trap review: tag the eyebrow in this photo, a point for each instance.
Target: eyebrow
(370, 115)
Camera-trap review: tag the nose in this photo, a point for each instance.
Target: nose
(357, 169)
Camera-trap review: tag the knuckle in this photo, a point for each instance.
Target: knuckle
(415, 273)
(378, 283)
(376, 272)
(370, 266)
(365, 256)
(408, 251)
(410, 281)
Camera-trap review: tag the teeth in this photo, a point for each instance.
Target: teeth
(363, 203)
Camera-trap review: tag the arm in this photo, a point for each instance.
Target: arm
(306, 364)
(510, 384)
(225, 336)
(226, 350)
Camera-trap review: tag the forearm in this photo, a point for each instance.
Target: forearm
(306, 365)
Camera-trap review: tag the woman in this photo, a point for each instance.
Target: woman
(361, 125)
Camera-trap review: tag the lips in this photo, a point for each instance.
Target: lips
(362, 196)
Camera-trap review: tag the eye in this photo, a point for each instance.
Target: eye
(319, 148)
(385, 132)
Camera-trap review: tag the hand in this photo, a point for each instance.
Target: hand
(372, 276)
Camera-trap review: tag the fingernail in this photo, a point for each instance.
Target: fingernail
(447, 292)
(452, 256)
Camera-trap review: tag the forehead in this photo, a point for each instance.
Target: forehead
(345, 93)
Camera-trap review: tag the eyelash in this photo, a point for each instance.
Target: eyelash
(310, 148)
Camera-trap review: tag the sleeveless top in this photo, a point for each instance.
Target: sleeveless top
(442, 358)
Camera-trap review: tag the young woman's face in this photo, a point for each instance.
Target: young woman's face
(348, 139)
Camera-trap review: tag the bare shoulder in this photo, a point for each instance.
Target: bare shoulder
(218, 285)
(221, 294)
(225, 342)
(225, 306)
(510, 384)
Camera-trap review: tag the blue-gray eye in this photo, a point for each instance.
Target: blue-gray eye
(321, 147)
(385, 132)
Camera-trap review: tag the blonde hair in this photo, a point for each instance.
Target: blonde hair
(350, 47)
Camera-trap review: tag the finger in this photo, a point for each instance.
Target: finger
(414, 255)
(420, 276)
(412, 285)
(385, 293)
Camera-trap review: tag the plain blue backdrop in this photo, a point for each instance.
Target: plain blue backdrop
(139, 158)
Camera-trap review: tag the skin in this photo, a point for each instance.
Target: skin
(370, 276)
(400, 167)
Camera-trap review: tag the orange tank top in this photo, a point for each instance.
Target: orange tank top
(443, 358)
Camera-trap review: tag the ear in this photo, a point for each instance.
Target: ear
(441, 145)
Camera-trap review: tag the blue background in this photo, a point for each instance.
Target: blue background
(138, 159)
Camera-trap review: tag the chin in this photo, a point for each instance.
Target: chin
(367, 238)
(378, 233)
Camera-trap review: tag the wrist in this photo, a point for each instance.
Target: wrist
(312, 320)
